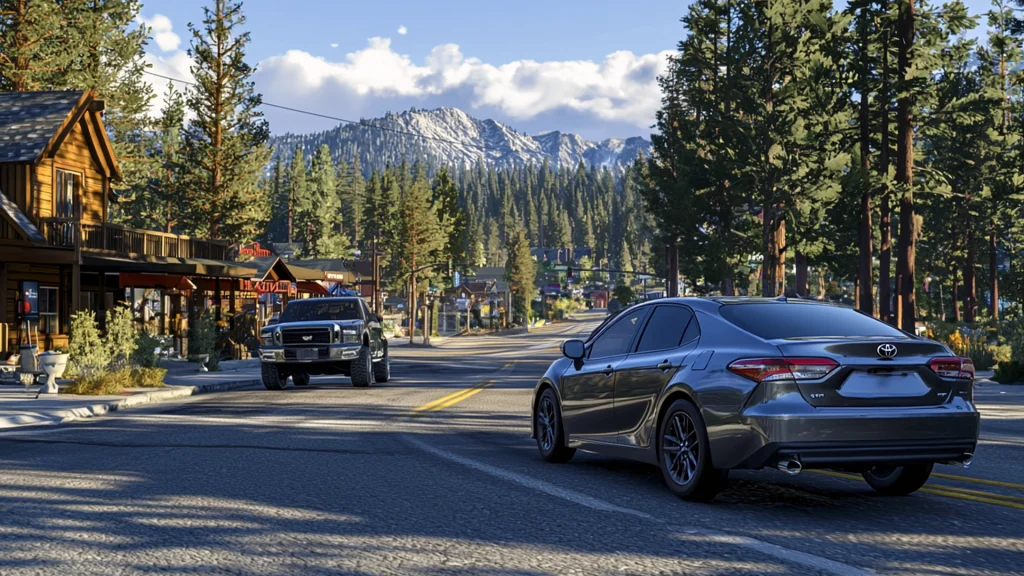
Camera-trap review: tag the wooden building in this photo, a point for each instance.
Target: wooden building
(57, 168)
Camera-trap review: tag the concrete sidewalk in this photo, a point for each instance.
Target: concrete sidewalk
(19, 406)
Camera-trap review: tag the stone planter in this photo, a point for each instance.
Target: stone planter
(53, 365)
(201, 359)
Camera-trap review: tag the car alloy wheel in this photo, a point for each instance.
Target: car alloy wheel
(680, 448)
(546, 424)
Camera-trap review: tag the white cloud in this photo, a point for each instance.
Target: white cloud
(620, 91)
(161, 32)
(334, 44)
(402, 30)
(616, 96)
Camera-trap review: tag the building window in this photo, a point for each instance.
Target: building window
(67, 188)
(48, 311)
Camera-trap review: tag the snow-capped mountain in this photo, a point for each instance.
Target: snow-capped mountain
(449, 136)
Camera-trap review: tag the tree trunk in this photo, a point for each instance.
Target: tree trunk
(905, 260)
(774, 264)
(884, 224)
(993, 275)
(728, 286)
(412, 303)
(864, 268)
(956, 297)
(821, 285)
(970, 294)
(801, 274)
(672, 264)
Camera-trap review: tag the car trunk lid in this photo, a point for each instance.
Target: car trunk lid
(872, 372)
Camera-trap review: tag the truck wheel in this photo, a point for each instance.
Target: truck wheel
(300, 379)
(272, 379)
(362, 369)
(382, 369)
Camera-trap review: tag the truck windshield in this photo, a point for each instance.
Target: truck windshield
(312, 310)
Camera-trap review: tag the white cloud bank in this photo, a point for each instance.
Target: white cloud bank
(616, 96)
(161, 32)
(403, 30)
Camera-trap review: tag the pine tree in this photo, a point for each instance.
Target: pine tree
(451, 219)
(225, 144)
(296, 188)
(419, 237)
(33, 44)
(520, 271)
(318, 212)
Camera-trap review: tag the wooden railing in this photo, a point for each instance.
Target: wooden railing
(130, 241)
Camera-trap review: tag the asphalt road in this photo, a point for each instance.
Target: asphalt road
(435, 473)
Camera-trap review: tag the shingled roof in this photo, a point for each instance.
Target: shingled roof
(29, 120)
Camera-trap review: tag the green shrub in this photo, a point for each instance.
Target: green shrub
(145, 350)
(1009, 373)
(1000, 353)
(202, 339)
(148, 377)
(100, 384)
(120, 339)
(86, 353)
(565, 306)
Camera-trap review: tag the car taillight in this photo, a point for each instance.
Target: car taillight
(952, 367)
(769, 369)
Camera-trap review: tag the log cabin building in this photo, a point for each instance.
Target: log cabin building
(57, 172)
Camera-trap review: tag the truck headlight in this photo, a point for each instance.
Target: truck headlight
(269, 338)
(349, 335)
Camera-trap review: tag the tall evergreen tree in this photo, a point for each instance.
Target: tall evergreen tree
(520, 271)
(318, 211)
(226, 142)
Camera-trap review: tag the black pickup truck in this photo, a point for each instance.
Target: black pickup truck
(319, 336)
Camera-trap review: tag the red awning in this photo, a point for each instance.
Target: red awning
(312, 288)
(168, 281)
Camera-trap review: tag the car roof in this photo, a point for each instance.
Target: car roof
(713, 303)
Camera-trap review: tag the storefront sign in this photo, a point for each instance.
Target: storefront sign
(337, 276)
(267, 286)
(29, 308)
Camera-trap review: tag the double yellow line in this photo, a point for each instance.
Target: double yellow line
(454, 398)
(1015, 502)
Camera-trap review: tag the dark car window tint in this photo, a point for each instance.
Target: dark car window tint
(619, 335)
(666, 328)
(692, 331)
(603, 323)
(777, 320)
(319, 309)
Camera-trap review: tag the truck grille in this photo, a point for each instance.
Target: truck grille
(305, 336)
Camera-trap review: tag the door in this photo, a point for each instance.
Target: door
(667, 339)
(375, 329)
(588, 387)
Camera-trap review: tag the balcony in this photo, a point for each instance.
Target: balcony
(124, 241)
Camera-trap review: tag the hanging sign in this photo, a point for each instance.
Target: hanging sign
(29, 291)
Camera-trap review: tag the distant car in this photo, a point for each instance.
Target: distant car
(324, 336)
(701, 386)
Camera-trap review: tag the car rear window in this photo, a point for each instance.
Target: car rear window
(773, 321)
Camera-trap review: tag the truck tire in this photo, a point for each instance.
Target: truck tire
(382, 369)
(362, 369)
(272, 379)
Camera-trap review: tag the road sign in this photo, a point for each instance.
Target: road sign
(561, 268)
(456, 278)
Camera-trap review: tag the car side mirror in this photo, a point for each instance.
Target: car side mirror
(574, 349)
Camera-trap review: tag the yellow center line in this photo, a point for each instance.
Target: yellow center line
(979, 481)
(950, 491)
(456, 397)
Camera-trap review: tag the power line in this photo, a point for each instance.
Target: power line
(336, 118)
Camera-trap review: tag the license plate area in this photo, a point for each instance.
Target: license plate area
(883, 384)
(307, 354)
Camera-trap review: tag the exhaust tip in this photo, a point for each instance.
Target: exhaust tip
(968, 458)
(790, 466)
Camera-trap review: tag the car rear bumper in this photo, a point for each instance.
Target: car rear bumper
(834, 438)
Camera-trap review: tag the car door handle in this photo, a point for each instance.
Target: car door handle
(666, 365)
(608, 370)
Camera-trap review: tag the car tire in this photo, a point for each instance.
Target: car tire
(382, 369)
(362, 369)
(899, 480)
(300, 379)
(547, 426)
(684, 454)
(271, 377)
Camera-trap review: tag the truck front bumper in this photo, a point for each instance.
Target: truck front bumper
(292, 355)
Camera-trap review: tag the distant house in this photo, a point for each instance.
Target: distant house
(561, 256)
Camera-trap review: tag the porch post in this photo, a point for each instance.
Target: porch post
(217, 300)
(76, 287)
(231, 283)
(3, 306)
(102, 314)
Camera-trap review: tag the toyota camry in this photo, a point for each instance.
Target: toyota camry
(703, 386)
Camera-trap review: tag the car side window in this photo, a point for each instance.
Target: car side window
(619, 336)
(692, 331)
(366, 311)
(666, 330)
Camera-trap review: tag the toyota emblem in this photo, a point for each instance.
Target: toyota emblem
(887, 351)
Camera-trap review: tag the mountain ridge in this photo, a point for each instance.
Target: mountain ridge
(450, 136)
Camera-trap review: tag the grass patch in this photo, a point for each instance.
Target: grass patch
(103, 384)
(148, 377)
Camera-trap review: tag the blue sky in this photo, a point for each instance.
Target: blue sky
(578, 66)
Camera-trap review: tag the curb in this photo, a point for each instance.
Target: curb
(102, 408)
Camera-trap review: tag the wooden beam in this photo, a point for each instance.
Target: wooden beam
(3, 296)
(9, 253)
